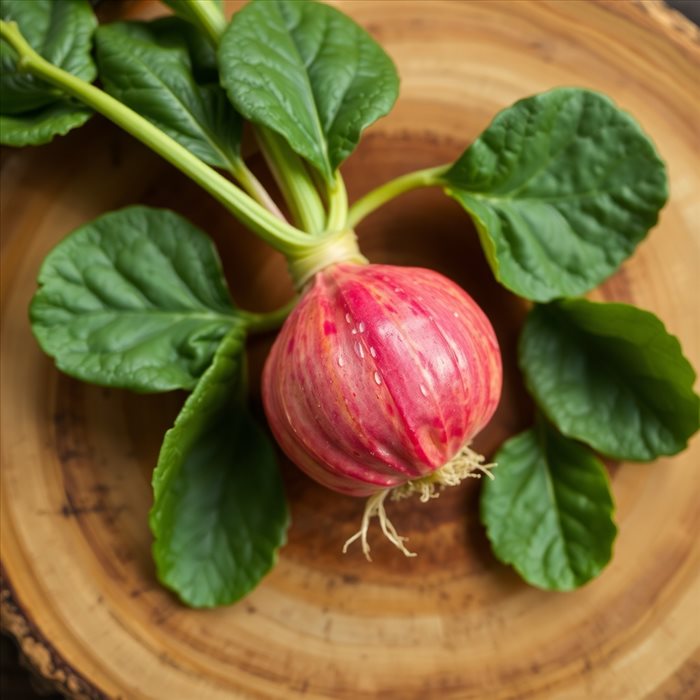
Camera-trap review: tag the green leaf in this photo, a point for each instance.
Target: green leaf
(41, 125)
(219, 513)
(549, 510)
(164, 71)
(61, 31)
(135, 299)
(562, 186)
(612, 376)
(309, 73)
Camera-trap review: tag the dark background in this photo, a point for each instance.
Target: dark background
(690, 8)
(15, 681)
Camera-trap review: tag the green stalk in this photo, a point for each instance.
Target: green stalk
(247, 180)
(208, 15)
(279, 234)
(430, 177)
(287, 167)
(270, 321)
(337, 205)
(293, 180)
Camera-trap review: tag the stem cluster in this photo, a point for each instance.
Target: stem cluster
(320, 231)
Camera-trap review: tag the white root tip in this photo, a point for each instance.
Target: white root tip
(375, 506)
(464, 465)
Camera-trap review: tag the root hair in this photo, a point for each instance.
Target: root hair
(464, 465)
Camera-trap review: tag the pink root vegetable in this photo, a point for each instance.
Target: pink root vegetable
(379, 380)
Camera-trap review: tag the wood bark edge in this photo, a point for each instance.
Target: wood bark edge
(38, 653)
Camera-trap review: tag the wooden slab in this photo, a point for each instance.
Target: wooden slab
(79, 590)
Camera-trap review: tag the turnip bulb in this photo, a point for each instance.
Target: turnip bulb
(377, 383)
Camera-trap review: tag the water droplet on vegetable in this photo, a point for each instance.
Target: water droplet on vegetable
(360, 350)
(341, 361)
(361, 327)
(372, 352)
(377, 378)
(423, 390)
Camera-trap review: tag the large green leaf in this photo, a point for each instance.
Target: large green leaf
(134, 299)
(309, 73)
(612, 376)
(156, 68)
(41, 125)
(61, 31)
(562, 186)
(549, 510)
(219, 513)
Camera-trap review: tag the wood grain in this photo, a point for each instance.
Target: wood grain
(79, 589)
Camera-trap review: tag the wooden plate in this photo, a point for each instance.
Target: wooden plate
(79, 589)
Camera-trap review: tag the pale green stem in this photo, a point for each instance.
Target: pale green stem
(299, 188)
(209, 17)
(430, 177)
(293, 180)
(287, 167)
(335, 198)
(277, 233)
(270, 321)
(337, 205)
(249, 182)
(319, 182)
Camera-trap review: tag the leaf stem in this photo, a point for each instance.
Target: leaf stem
(294, 182)
(270, 321)
(279, 234)
(286, 166)
(430, 177)
(209, 17)
(249, 182)
(337, 205)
